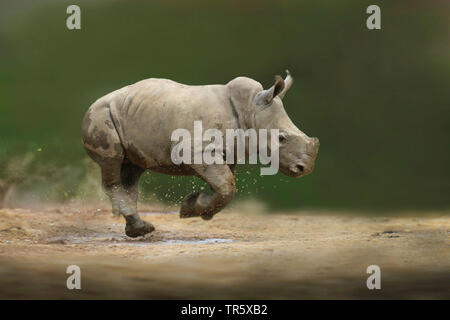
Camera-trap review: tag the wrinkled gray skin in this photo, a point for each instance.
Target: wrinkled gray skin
(129, 131)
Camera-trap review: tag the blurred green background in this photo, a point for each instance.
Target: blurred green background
(378, 100)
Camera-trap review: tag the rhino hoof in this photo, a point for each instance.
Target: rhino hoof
(187, 209)
(139, 228)
(207, 216)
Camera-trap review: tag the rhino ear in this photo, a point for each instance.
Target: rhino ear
(287, 84)
(266, 97)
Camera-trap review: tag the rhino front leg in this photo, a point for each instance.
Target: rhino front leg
(221, 180)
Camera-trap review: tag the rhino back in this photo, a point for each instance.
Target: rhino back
(147, 112)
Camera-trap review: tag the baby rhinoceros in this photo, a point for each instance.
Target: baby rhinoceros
(130, 130)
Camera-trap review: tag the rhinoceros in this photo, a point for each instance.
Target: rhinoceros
(128, 131)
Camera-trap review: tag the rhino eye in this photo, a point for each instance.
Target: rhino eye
(282, 138)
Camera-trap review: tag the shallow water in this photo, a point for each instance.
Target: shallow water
(175, 241)
(125, 241)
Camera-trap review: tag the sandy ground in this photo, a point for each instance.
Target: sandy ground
(240, 254)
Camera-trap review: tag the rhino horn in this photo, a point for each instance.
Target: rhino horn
(287, 84)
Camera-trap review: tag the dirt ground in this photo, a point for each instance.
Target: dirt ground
(240, 254)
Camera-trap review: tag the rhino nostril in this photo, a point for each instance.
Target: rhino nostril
(300, 168)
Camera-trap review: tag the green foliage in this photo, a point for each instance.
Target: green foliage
(378, 100)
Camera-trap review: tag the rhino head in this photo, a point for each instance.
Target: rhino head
(264, 109)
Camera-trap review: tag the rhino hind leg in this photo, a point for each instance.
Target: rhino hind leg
(221, 180)
(120, 182)
(130, 175)
(119, 178)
